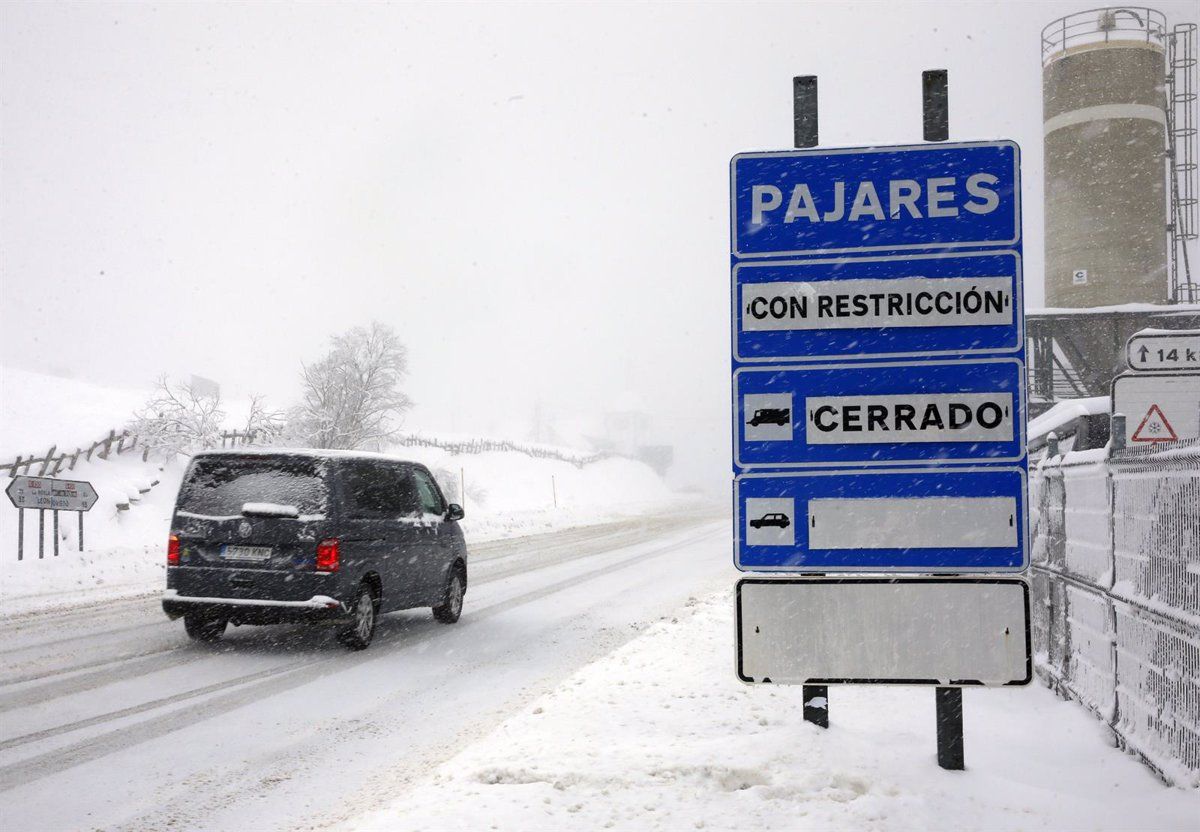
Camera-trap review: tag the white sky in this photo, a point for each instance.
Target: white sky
(535, 196)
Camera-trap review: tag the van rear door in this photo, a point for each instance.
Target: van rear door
(252, 512)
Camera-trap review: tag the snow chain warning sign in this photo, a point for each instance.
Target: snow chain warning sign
(1154, 427)
(1158, 407)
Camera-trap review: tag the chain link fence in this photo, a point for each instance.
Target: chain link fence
(1116, 591)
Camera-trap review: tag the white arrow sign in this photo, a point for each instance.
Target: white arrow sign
(1164, 349)
(51, 494)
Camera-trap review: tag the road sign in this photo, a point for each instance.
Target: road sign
(51, 494)
(878, 414)
(1153, 350)
(865, 199)
(1158, 407)
(877, 307)
(916, 631)
(912, 520)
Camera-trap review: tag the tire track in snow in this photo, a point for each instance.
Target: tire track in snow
(266, 683)
(484, 556)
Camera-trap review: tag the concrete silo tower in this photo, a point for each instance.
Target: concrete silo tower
(1105, 124)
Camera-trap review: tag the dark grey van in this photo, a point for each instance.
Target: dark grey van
(263, 537)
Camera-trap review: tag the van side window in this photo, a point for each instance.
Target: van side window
(379, 491)
(431, 498)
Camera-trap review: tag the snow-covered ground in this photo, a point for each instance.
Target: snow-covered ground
(111, 719)
(124, 551)
(660, 735)
(506, 494)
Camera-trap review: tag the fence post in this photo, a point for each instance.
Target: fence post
(75, 458)
(16, 466)
(112, 434)
(46, 460)
(121, 443)
(1117, 432)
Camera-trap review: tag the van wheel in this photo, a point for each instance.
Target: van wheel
(450, 609)
(362, 628)
(201, 628)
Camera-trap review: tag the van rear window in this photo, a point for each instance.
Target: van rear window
(220, 486)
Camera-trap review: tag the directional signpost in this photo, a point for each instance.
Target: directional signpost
(1164, 350)
(45, 493)
(878, 400)
(1160, 398)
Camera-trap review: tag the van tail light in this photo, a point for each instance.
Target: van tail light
(328, 555)
(173, 550)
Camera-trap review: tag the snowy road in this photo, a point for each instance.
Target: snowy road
(110, 718)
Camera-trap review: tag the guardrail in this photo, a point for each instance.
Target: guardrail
(1116, 587)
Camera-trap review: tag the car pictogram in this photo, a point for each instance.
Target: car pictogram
(772, 519)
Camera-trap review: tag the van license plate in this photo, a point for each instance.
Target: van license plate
(255, 553)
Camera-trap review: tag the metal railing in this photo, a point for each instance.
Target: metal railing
(1123, 23)
(1181, 154)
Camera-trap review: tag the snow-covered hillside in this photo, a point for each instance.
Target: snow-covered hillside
(506, 494)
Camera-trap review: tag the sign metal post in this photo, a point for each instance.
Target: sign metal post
(950, 728)
(48, 494)
(879, 414)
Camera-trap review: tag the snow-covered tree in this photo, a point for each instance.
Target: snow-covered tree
(178, 420)
(263, 425)
(352, 397)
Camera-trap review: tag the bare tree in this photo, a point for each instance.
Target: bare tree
(177, 420)
(352, 396)
(263, 426)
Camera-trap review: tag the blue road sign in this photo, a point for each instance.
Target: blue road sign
(931, 196)
(876, 414)
(902, 306)
(913, 520)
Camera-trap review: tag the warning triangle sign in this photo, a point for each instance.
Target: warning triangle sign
(1154, 427)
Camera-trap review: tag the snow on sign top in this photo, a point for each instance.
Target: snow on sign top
(875, 199)
(51, 494)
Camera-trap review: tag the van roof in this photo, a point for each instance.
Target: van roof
(309, 453)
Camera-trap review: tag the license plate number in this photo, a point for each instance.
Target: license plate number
(254, 553)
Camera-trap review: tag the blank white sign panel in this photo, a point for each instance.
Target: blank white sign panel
(912, 523)
(947, 631)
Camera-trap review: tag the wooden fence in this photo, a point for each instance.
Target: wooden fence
(54, 461)
(480, 446)
(51, 463)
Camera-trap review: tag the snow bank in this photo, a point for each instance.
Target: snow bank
(124, 551)
(507, 494)
(510, 493)
(1064, 413)
(660, 735)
